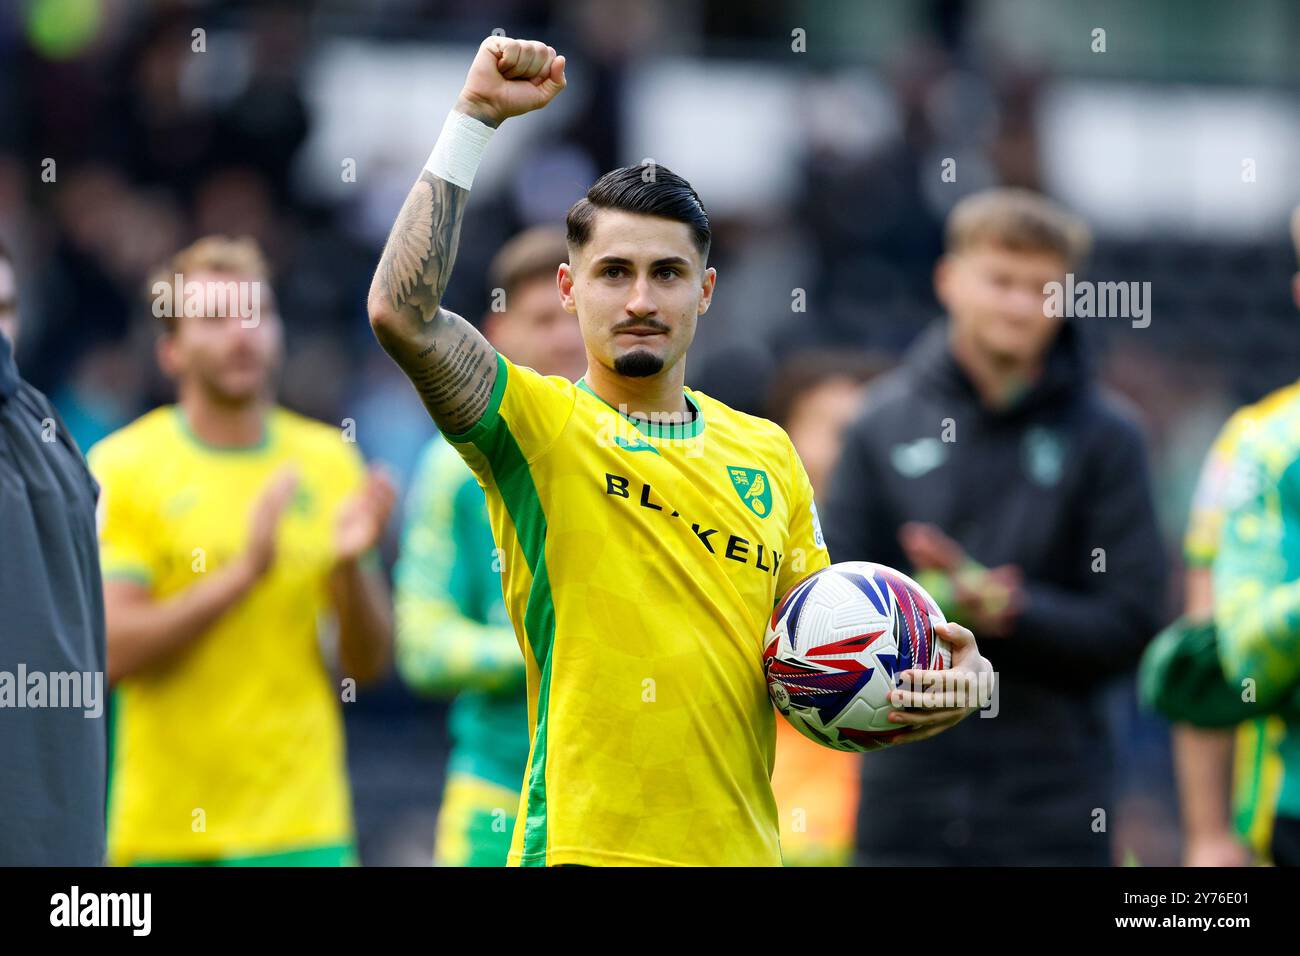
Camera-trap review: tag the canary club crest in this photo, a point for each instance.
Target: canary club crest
(754, 489)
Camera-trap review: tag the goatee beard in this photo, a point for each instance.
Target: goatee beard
(638, 364)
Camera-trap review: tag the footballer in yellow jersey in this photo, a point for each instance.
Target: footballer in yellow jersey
(230, 531)
(1205, 523)
(643, 563)
(1219, 826)
(647, 530)
(1203, 755)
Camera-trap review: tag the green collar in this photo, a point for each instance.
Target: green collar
(261, 445)
(656, 429)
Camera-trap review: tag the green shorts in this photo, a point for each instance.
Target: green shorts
(341, 854)
(475, 822)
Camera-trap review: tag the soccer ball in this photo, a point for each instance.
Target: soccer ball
(836, 645)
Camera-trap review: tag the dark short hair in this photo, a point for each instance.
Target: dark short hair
(5, 254)
(647, 190)
(803, 372)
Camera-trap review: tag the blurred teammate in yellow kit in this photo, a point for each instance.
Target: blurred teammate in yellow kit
(230, 529)
(1222, 828)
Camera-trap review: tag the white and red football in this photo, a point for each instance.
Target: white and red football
(836, 645)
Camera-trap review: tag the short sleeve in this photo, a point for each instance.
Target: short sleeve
(1205, 521)
(1256, 590)
(128, 542)
(524, 416)
(805, 550)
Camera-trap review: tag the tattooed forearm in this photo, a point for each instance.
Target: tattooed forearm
(451, 365)
(455, 382)
(421, 249)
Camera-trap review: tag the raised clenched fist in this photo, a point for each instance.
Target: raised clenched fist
(510, 77)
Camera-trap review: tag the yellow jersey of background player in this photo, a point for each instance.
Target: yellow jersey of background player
(229, 527)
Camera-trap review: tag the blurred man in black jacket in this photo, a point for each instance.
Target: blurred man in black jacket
(991, 466)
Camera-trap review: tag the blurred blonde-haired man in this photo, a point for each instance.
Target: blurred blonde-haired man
(229, 528)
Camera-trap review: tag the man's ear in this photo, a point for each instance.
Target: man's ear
(1295, 289)
(164, 349)
(564, 282)
(941, 277)
(706, 289)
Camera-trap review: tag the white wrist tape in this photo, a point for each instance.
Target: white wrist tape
(460, 146)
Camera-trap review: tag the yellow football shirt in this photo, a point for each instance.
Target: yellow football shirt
(1257, 767)
(236, 747)
(640, 564)
(1205, 523)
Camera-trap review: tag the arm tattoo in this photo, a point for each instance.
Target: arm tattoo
(451, 365)
(422, 246)
(456, 377)
(409, 244)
